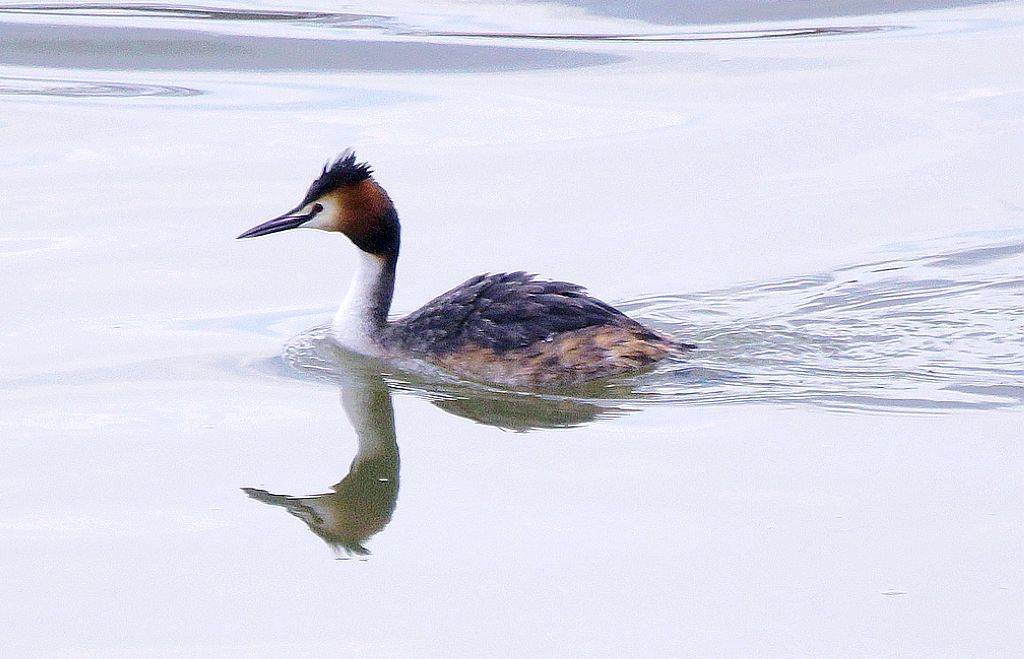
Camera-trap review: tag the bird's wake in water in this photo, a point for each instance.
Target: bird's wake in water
(941, 330)
(917, 333)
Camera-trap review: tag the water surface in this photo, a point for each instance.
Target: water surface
(828, 204)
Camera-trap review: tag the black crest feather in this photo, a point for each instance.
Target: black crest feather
(342, 171)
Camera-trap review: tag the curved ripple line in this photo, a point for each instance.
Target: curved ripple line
(709, 35)
(329, 18)
(162, 11)
(62, 88)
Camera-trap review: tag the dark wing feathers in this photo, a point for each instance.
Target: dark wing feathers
(502, 312)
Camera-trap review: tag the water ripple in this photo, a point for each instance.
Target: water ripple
(701, 35)
(114, 46)
(22, 86)
(174, 11)
(891, 338)
(392, 24)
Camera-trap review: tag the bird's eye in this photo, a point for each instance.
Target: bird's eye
(317, 208)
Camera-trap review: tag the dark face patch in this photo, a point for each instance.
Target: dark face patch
(368, 217)
(381, 238)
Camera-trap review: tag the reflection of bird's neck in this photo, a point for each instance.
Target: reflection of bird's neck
(365, 499)
(362, 503)
(368, 408)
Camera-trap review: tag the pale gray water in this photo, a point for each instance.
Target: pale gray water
(830, 206)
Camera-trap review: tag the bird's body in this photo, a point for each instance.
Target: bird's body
(514, 330)
(509, 329)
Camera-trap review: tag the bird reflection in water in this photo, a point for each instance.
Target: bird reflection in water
(363, 502)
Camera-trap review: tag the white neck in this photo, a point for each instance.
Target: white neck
(364, 310)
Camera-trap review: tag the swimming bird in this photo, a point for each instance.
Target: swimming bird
(509, 329)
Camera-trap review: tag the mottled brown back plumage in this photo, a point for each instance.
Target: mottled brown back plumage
(513, 329)
(566, 359)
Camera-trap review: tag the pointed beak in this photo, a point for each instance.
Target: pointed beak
(289, 220)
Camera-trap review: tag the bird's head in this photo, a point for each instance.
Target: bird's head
(344, 198)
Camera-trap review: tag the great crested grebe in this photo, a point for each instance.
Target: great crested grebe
(508, 328)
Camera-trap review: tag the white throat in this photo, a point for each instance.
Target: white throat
(356, 322)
